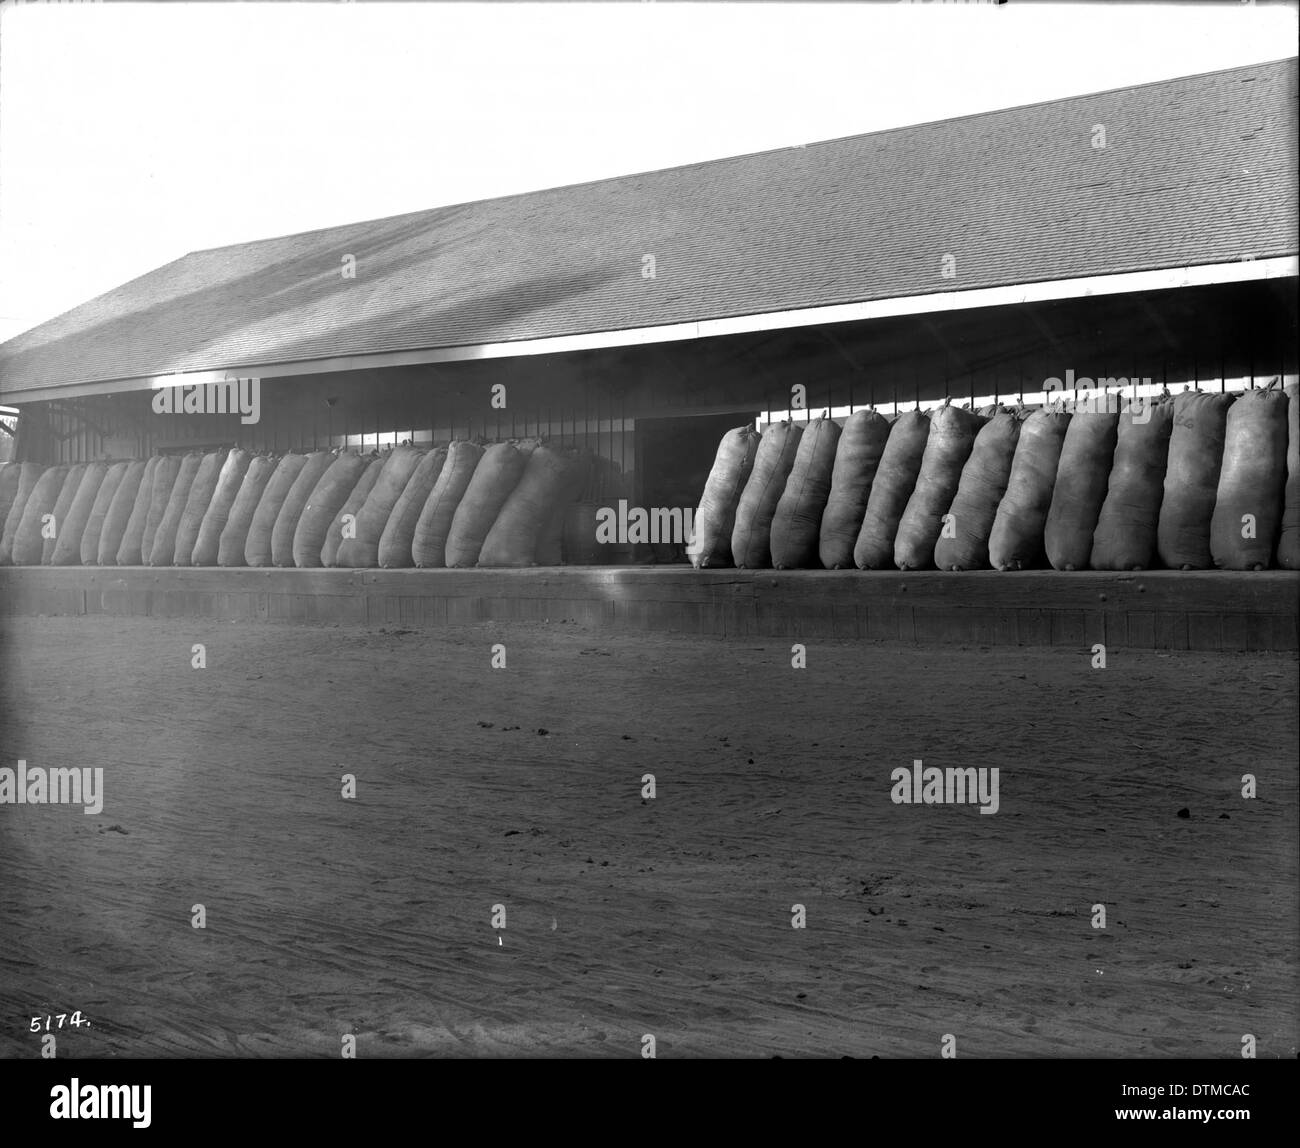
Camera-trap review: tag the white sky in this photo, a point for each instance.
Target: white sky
(131, 134)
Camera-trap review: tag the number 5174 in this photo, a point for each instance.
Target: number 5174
(74, 1020)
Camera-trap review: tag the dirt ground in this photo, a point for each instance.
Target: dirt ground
(625, 917)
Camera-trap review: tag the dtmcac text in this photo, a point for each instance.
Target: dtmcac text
(1155, 1090)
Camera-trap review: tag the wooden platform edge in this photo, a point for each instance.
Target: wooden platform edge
(1159, 610)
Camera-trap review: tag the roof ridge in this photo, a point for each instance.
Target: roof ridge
(742, 155)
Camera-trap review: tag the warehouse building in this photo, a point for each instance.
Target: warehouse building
(1143, 234)
(1146, 232)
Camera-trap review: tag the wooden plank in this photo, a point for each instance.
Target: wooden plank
(974, 626)
(407, 610)
(1033, 628)
(798, 623)
(627, 615)
(464, 610)
(882, 622)
(664, 617)
(771, 621)
(586, 613)
(906, 624)
(937, 625)
(234, 607)
(980, 627)
(1259, 632)
(433, 611)
(845, 620)
(62, 600)
(344, 609)
(1191, 590)
(525, 609)
(693, 616)
(1164, 609)
(1141, 631)
(1204, 632)
(738, 620)
(1106, 627)
(1171, 630)
(1234, 629)
(1002, 631)
(1068, 628)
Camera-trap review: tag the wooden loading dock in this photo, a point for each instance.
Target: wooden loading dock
(1155, 610)
(1032, 256)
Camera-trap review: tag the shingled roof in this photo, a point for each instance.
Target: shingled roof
(1196, 170)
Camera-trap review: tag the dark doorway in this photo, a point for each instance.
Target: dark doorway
(673, 459)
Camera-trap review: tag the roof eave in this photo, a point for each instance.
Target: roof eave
(1237, 271)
